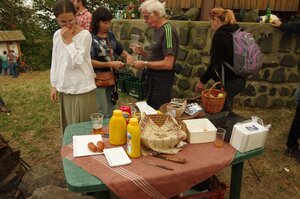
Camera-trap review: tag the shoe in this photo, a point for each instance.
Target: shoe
(292, 153)
(4, 109)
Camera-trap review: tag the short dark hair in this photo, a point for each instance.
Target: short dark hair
(63, 6)
(100, 14)
(5, 52)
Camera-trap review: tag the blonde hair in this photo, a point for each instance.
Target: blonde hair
(225, 15)
(154, 6)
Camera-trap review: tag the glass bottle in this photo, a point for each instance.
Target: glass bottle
(268, 15)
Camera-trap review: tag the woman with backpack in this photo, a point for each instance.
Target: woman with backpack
(223, 22)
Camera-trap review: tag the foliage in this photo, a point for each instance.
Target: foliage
(38, 24)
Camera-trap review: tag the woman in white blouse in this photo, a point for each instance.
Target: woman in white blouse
(72, 74)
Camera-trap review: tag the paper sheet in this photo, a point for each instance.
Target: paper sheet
(116, 156)
(80, 145)
(145, 108)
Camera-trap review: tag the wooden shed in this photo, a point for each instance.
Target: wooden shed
(10, 40)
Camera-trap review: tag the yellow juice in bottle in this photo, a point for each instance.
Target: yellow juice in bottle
(117, 128)
(133, 138)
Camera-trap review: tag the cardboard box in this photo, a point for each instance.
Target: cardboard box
(200, 130)
(248, 136)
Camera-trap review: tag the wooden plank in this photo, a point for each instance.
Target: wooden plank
(289, 5)
(199, 3)
(224, 4)
(248, 4)
(242, 4)
(188, 3)
(230, 4)
(296, 6)
(173, 4)
(259, 4)
(272, 4)
(236, 4)
(168, 3)
(182, 4)
(178, 5)
(283, 6)
(217, 3)
(277, 5)
(253, 4)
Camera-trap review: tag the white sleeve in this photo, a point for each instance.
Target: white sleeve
(53, 61)
(81, 49)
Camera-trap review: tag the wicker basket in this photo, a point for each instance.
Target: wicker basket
(211, 102)
(164, 136)
(160, 119)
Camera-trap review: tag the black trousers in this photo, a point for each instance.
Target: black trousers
(294, 133)
(159, 88)
(233, 88)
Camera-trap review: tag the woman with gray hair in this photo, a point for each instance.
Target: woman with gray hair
(161, 56)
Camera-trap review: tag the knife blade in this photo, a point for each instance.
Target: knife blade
(158, 165)
(172, 159)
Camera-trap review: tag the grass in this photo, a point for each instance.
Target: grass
(33, 126)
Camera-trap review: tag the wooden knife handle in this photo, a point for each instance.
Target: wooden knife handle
(177, 160)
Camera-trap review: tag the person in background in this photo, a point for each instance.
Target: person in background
(71, 71)
(83, 16)
(223, 22)
(161, 57)
(12, 60)
(293, 27)
(3, 108)
(292, 144)
(5, 64)
(103, 50)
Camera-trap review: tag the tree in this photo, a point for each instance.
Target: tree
(38, 25)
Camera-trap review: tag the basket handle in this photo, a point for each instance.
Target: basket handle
(215, 84)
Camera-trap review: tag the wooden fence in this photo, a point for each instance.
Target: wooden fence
(175, 4)
(276, 5)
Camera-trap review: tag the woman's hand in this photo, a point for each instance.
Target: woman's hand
(66, 35)
(53, 94)
(276, 23)
(116, 64)
(199, 87)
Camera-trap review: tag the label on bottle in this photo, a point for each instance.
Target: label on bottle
(129, 143)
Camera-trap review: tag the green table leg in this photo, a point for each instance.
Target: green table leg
(236, 180)
(102, 195)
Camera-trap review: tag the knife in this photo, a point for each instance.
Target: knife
(172, 159)
(159, 165)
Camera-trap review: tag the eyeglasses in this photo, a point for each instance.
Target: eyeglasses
(146, 17)
(63, 23)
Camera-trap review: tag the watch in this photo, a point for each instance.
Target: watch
(146, 64)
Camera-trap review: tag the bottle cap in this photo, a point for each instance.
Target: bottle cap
(133, 121)
(117, 112)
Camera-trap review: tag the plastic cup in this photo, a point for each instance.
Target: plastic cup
(220, 135)
(134, 39)
(97, 122)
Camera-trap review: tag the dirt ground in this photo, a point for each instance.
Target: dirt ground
(33, 126)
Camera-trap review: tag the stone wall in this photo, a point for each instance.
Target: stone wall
(276, 82)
